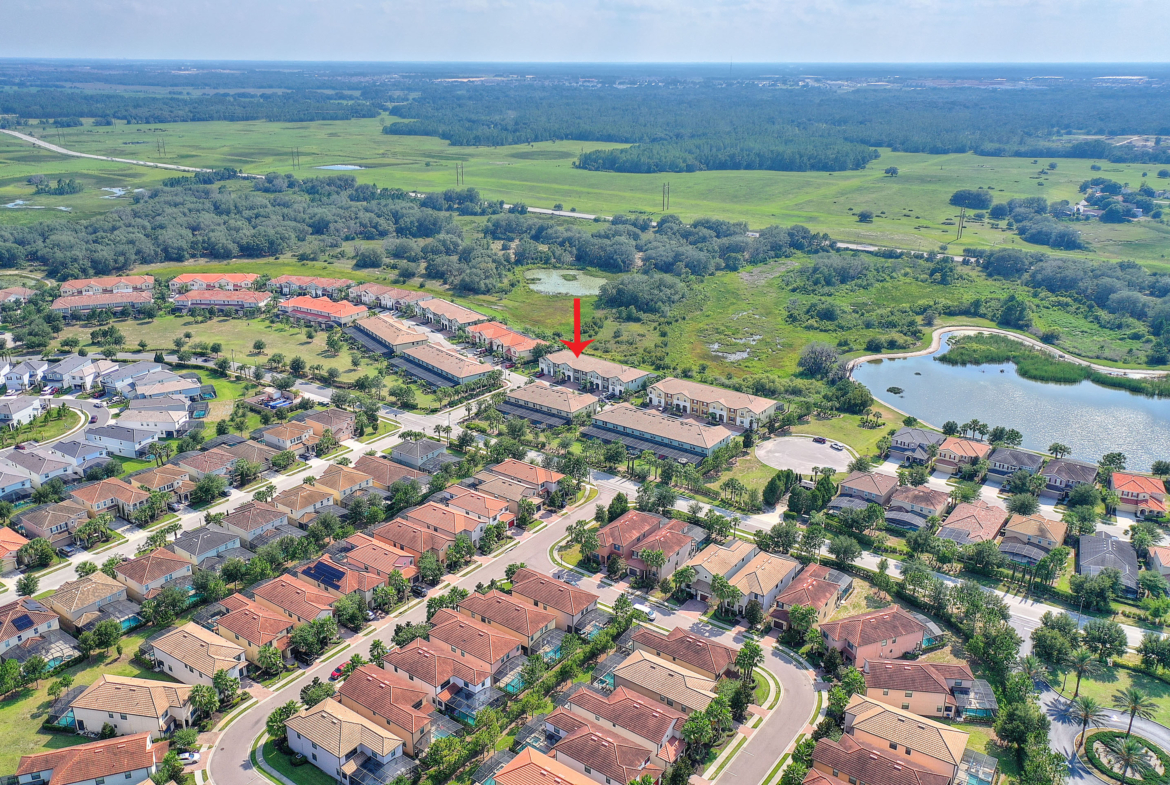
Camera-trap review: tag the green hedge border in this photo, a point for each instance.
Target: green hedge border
(1154, 779)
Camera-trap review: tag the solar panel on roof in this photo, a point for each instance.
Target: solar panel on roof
(327, 573)
(22, 622)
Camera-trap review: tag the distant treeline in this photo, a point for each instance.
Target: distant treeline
(293, 107)
(685, 128)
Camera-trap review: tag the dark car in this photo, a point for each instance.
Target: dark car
(819, 439)
(226, 493)
(418, 590)
(92, 419)
(65, 551)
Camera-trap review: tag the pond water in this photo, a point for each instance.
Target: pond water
(567, 282)
(340, 167)
(1090, 419)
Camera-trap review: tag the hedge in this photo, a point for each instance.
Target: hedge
(1153, 778)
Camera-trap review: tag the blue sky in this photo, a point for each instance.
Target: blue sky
(903, 31)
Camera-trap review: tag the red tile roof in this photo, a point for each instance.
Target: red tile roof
(551, 592)
(387, 472)
(980, 520)
(414, 536)
(628, 527)
(526, 472)
(1136, 484)
(37, 613)
(389, 695)
(873, 765)
(350, 580)
(254, 623)
(495, 606)
(297, 597)
(96, 759)
(434, 665)
(632, 711)
(254, 515)
(866, 628)
(913, 676)
(535, 768)
(603, 750)
(152, 566)
(810, 588)
(474, 637)
(706, 655)
(339, 309)
(379, 556)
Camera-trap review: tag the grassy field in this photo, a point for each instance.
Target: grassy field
(910, 209)
(846, 428)
(1109, 681)
(307, 774)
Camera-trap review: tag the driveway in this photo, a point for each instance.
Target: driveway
(801, 454)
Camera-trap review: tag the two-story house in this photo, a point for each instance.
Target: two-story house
(150, 571)
(133, 706)
(1139, 494)
(193, 655)
(567, 602)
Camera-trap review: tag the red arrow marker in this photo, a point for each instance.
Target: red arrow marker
(577, 346)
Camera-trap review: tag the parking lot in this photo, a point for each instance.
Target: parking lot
(802, 454)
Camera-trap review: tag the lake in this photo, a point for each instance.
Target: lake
(567, 282)
(340, 167)
(1090, 419)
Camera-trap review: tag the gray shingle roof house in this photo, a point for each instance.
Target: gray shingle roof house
(1006, 461)
(415, 454)
(1096, 552)
(206, 541)
(1064, 474)
(910, 444)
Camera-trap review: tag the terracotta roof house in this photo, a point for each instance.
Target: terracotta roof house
(251, 519)
(918, 687)
(341, 481)
(215, 461)
(633, 533)
(301, 500)
(86, 303)
(81, 601)
(167, 479)
(1064, 474)
(852, 760)
(503, 612)
(322, 310)
(433, 665)
(593, 373)
(129, 760)
(434, 364)
(972, 522)
(340, 422)
(254, 452)
(338, 740)
(481, 507)
(652, 724)
(1096, 552)
(414, 538)
(763, 578)
(464, 635)
(251, 625)
(192, 654)
(133, 706)
(389, 297)
(446, 521)
(910, 506)
(22, 619)
(295, 599)
(150, 571)
(1159, 559)
(229, 282)
(1138, 494)
(55, 522)
(289, 436)
(543, 405)
(956, 452)
(11, 541)
(544, 480)
(388, 699)
(377, 557)
(659, 680)
(1006, 461)
(911, 444)
(870, 487)
(223, 300)
(816, 587)
(886, 633)
(509, 490)
(113, 496)
(726, 560)
(566, 601)
(296, 284)
(918, 740)
(703, 400)
(16, 294)
(1029, 538)
(340, 579)
(663, 434)
(385, 472)
(607, 757)
(708, 658)
(531, 767)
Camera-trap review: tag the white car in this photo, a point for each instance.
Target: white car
(187, 758)
(836, 446)
(646, 609)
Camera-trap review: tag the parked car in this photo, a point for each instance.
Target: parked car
(187, 758)
(646, 609)
(819, 439)
(65, 551)
(338, 671)
(174, 506)
(370, 616)
(836, 446)
(226, 493)
(418, 590)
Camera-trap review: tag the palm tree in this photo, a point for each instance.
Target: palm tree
(750, 657)
(1135, 703)
(1083, 663)
(1087, 710)
(1131, 754)
(1033, 668)
(684, 576)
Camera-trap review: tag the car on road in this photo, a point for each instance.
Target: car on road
(92, 419)
(819, 440)
(187, 758)
(418, 590)
(646, 609)
(338, 671)
(837, 446)
(98, 405)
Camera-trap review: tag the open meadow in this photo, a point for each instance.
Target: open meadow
(910, 210)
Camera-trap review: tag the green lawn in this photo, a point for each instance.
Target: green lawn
(983, 739)
(1107, 683)
(47, 426)
(307, 774)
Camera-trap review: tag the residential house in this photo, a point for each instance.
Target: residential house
(127, 760)
(292, 436)
(168, 425)
(887, 633)
(763, 578)
(226, 282)
(703, 400)
(82, 304)
(446, 521)
(390, 700)
(725, 560)
(677, 541)
(340, 579)
(816, 587)
(164, 384)
(918, 740)
(14, 487)
(870, 487)
(253, 452)
(192, 655)
(431, 666)
(222, 301)
(601, 754)
(1139, 494)
(507, 342)
(531, 767)
(338, 740)
(342, 481)
(81, 602)
(340, 422)
(1029, 538)
(414, 538)
(567, 602)
(302, 500)
(481, 507)
(853, 761)
(295, 599)
(22, 619)
(383, 334)
(20, 410)
(1158, 559)
(972, 522)
(385, 472)
(466, 636)
(708, 658)
(39, 464)
(416, 452)
(133, 706)
(167, 478)
(547, 406)
(659, 680)
(148, 572)
(510, 491)
(518, 619)
(669, 436)
(109, 285)
(926, 689)
(11, 542)
(448, 315)
(252, 626)
(251, 519)
(544, 480)
(910, 506)
(376, 557)
(1100, 551)
(16, 294)
(912, 444)
(311, 285)
(126, 442)
(634, 716)
(1006, 461)
(389, 297)
(75, 371)
(592, 373)
(441, 367)
(618, 537)
(204, 542)
(215, 461)
(79, 452)
(113, 496)
(122, 380)
(25, 375)
(54, 522)
(322, 310)
(1064, 474)
(956, 452)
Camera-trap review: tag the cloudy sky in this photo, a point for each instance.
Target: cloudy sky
(592, 30)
